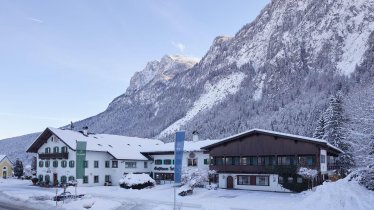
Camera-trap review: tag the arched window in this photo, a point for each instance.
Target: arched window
(63, 179)
(71, 164)
(47, 150)
(56, 149)
(4, 168)
(41, 163)
(71, 178)
(47, 163)
(55, 163)
(63, 163)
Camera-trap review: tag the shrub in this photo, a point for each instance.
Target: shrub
(34, 180)
(136, 181)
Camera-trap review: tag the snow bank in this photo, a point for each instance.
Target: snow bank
(342, 195)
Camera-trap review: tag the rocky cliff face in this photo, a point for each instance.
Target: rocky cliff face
(275, 73)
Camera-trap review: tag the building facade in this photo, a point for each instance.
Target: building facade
(265, 160)
(6, 167)
(107, 157)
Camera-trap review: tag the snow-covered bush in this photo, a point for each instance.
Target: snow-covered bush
(194, 177)
(184, 190)
(364, 176)
(308, 174)
(136, 181)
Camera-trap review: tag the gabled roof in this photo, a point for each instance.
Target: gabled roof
(120, 147)
(2, 157)
(189, 146)
(276, 134)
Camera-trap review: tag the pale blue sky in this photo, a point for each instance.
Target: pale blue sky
(63, 61)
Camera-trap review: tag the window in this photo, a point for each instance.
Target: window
(96, 164)
(47, 163)
(158, 162)
(261, 161)
(56, 149)
(85, 163)
(55, 164)
(167, 162)
(206, 162)
(71, 163)
(47, 179)
(323, 158)
(130, 164)
(64, 163)
(280, 180)
(64, 149)
(85, 180)
(63, 179)
(244, 161)
(41, 164)
(96, 179)
(232, 160)
(107, 178)
(145, 164)
(262, 180)
(286, 160)
(307, 160)
(267, 160)
(253, 161)
(71, 178)
(107, 164)
(219, 161)
(299, 180)
(47, 150)
(191, 162)
(114, 164)
(290, 179)
(243, 180)
(40, 178)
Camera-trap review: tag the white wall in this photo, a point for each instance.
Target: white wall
(273, 183)
(59, 170)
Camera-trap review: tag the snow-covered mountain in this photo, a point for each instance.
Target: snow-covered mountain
(275, 73)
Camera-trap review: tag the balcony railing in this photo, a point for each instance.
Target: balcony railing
(257, 168)
(332, 167)
(61, 155)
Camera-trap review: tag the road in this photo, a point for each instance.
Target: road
(9, 206)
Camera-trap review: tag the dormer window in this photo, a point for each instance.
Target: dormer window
(56, 149)
(47, 150)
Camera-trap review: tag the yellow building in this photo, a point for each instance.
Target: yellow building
(6, 168)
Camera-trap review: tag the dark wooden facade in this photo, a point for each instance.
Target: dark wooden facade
(260, 144)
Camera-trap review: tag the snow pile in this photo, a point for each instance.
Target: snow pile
(136, 179)
(342, 195)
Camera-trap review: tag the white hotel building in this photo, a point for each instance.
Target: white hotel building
(109, 157)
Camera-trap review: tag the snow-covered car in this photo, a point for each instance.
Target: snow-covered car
(185, 190)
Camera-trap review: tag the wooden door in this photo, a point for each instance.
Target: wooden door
(230, 182)
(55, 181)
(4, 175)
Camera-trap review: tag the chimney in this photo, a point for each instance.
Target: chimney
(85, 130)
(195, 136)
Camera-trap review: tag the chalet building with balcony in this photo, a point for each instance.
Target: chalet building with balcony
(107, 157)
(266, 160)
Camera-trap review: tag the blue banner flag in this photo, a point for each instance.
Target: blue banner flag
(178, 152)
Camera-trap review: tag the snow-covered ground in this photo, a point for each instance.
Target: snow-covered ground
(340, 195)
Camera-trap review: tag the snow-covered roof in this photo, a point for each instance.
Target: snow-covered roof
(189, 146)
(2, 157)
(274, 133)
(121, 147)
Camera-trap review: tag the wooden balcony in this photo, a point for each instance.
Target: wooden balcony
(331, 167)
(259, 169)
(61, 155)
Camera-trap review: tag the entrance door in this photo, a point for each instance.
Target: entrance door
(230, 182)
(55, 181)
(4, 175)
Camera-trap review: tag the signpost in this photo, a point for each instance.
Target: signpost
(178, 153)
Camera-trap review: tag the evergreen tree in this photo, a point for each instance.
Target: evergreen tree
(18, 168)
(319, 132)
(334, 132)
